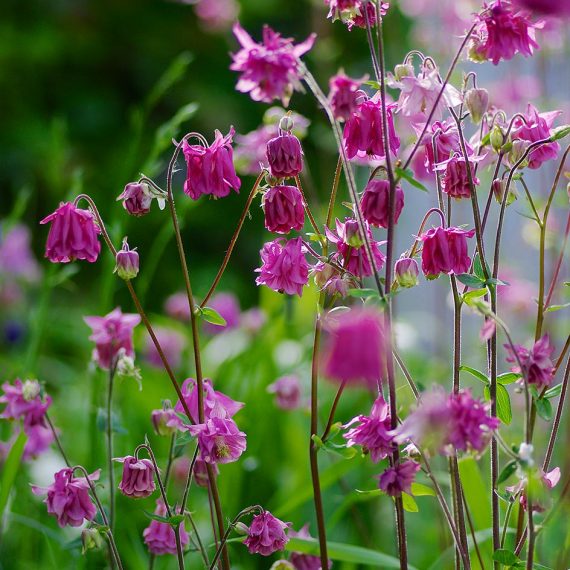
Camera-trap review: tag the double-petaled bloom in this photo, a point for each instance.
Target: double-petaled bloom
(537, 365)
(445, 251)
(219, 440)
(284, 156)
(398, 479)
(266, 534)
(284, 209)
(160, 537)
(355, 12)
(343, 95)
(375, 203)
(137, 198)
(138, 477)
(455, 180)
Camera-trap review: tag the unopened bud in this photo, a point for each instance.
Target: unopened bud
(477, 101)
(127, 262)
(497, 138)
(403, 70)
(352, 234)
(286, 123)
(517, 152)
(406, 272)
(91, 539)
(282, 565)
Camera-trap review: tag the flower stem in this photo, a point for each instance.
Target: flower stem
(112, 370)
(333, 410)
(307, 208)
(56, 439)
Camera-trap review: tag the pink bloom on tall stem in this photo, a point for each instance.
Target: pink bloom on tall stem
(445, 251)
(455, 180)
(285, 156)
(398, 479)
(201, 472)
(219, 440)
(269, 70)
(343, 95)
(352, 12)
(537, 365)
(227, 305)
(110, 334)
(39, 434)
(160, 537)
(284, 268)
(266, 534)
(375, 202)
(287, 390)
(68, 498)
(284, 209)
(138, 477)
(73, 234)
(547, 482)
(305, 561)
(136, 198)
(446, 143)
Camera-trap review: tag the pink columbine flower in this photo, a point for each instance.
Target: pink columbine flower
(445, 251)
(165, 420)
(538, 368)
(559, 8)
(305, 561)
(227, 305)
(111, 334)
(501, 33)
(21, 399)
(217, 15)
(455, 181)
(446, 143)
(398, 479)
(372, 432)
(39, 434)
(201, 472)
(287, 390)
(137, 481)
(351, 12)
(176, 306)
(68, 498)
(210, 169)
(284, 209)
(172, 343)
(406, 272)
(343, 95)
(137, 198)
(160, 537)
(363, 131)
(266, 534)
(73, 234)
(330, 279)
(535, 127)
(219, 440)
(351, 251)
(269, 70)
(356, 346)
(375, 202)
(127, 262)
(285, 156)
(284, 267)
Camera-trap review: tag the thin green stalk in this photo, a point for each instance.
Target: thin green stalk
(110, 453)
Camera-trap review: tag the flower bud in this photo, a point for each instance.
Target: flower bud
(136, 198)
(360, 97)
(406, 272)
(403, 70)
(127, 262)
(477, 101)
(285, 156)
(282, 565)
(352, 234)
(91, 539)
(286, 123)
(499, 186)
(497, 138)
(517, 151)
(162, 420)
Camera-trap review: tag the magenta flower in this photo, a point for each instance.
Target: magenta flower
(363, 131)
(375, 202)
(172, 343)
(266, 534)
(210, 170)
(217, 15)
(73, 234)
(343, 95)
(111, 334)
(227, 305)
(351, 12)
(287, 390)
(537, 365)
(284, 209)
(285, 156)
(501, 33)
(159, 537)
(68, 498)
(398, 479)
(127, 262)
(372, 432)
(39, 435)
(351, 251)
(406, 272)
(546, 7)
(356, 347)
(16, 255)
(165, 420)
(201, 472)
(269, 70)
(535, 127)
(219, 440)
(305, 561)
(455, 181)
(176, 306)
(284, 268)
(136, 198)
(21, 399)
(137, 481)
(446, 143)
(445, 251)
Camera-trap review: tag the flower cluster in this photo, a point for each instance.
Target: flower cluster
(537, 365)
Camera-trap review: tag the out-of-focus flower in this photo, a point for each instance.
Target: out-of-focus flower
(201, 472)
(477, 102)
(543, 482)
(537, 365)
(219, 440)
(253, 319)
(455, 180)
(343, 95)
(285, 156)
(138, 477)
(269, 70)
(217, 15)
(406, 272)
(176, 306)
(159, 537)
(165, 420)
(398, 479)
(287, 390)
(329, 279)
(227, 305)
(172, 343)
(352, 12)
(16, 256)
(304, 561)
(375, 202)
(445, 251)
(21, 398)
(546, 7)
(266, 534)
(127, 262)
(284, 209)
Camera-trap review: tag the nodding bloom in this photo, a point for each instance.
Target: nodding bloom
(287, 390)
(210, 169)
(447, 142)
(165, 420)
(201, 472)
(284, 267)
(351, 251)
(284, 155)
(172, 343)
(372, 432)
(284, 209)
(68, 498)
(269, 70)
(356, 347)
(546, 481)
(537, 365)
(219, 440)
(375, 203)
(111, 334)
(160, 537)
(343, 95)
(535, 127)
(406, 272)
(137, 198)
(138, 477)
(39, 433)
(455, 180)
(304, 561)
(227, 305)
(73, 234)
(398, 479)
(363, 130)
(216, 15)
(445, 251)
(266, 534)
(351, 12)
(501, 33)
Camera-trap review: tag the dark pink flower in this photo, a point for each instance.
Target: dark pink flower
(372, 432)
(227, 305)
(351, 12)
(535, 127)
(73, 234)
(127, 262)
(112, 333)
(21, 399)
(269, 70)
(375, 202)
(39, 434)
(538, 368)
(305, 561)
(284, 267)
(343, 95)
(219, 440)
(210, 170)
(445, 251)
(266, 534)
(287, 390)
(546, 7)
(159, 537)
(455, 181)
(446, 143)
(172, 343)
(136, 198)
(138, 477)
(398, 479)
(284, 209)
(68, 498)
(176, 306)
(285, 156)
(356, 346)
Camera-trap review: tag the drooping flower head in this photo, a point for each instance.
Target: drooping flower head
(352, 12)
(455, 180)
(266, 534)
(176, 306)
(111, 334)
(137, 198)
(165, 420)
(287, 390)
(398, 479)
(160, 537)
(284, 155)
(219, 440)
(284, 267)
(537, 365)
(541, 483)
(305, 561)
(445, 251)
(201, 472)
(269, 70)
(68, 498)
(73, 234)
(127, 262)
(375, 202)
(343, 95)
(138, 477)
(210, 169)
(284, 209)
(446, 143)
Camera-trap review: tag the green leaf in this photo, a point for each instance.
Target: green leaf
(508, 377)
(553, 308)
(10, 469)
(409, 503)
(475, 486)
(212, 316)
(409, 176)
(474, 372)
(478, 268)
(505, 557)
(553, 392)
(371, 492)
(363, 293)
(507, 471)
(544, 408)
(174, 520)
(471, 281)
(504, 411)
(471, 296)
(342, 450)
(420, 490)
